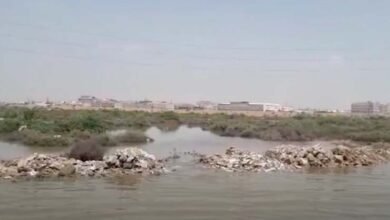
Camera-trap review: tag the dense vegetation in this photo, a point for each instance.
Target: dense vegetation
(299, 128)
(43, 127)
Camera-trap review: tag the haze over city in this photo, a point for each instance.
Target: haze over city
(305, 54)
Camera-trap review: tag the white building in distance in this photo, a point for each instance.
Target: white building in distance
(365, 107)
(250, 106)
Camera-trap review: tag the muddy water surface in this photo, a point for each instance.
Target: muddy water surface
(193, 192)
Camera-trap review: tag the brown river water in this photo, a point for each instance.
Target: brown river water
(194, 192)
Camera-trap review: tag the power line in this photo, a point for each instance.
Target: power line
(201, 68)
(279, 59)
(83, 58)
(193, 45)
(89, 46)
(65, 43)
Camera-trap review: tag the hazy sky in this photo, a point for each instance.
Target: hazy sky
(306, 53)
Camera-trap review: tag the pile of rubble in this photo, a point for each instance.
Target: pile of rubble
(288, 157)
(123, 161)
(134, 160)
(235, 160)
(339, 156)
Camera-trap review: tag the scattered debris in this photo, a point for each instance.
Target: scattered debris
(288, 157)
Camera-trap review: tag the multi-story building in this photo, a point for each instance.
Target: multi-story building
(107, 103)
(365, 108)
(88, 101)
(384, 108)
(271, 107)
(92, 101)
(249, 106)
(287, 109)
(207, 105)
(185, 106)
(239, 106)
(146, 105)
(163, 106)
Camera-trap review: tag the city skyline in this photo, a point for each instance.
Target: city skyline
(199, 103)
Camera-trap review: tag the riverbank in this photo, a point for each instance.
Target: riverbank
(58, 127)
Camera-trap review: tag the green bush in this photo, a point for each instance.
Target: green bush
(28, 114)
(35, 138)
(9, 125)
(168, 126)
(131, 137)
(91, 123)
(249, 132)
(77, 134)
(13, 137)
(169, 116)
(8, 112)
(85, 123)
(105, 140)
(44, 126)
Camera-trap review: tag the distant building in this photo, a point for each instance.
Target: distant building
(88, 101)
(365, 108)
(248, 106)
(271, 107)
(287, 109)
(92, 101)
(42, 104)
(146, 105)
(107, 103)
(163, 106)
(384, 108)
(239, 106)
(206, 105)
(185, 106)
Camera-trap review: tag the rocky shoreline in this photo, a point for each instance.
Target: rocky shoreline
(121, 162)
(290, 158)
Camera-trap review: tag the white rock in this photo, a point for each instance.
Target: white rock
(33, 173)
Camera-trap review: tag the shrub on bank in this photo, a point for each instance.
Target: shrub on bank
(169, 126)
(35, 138)
(131, 137)
(85, 150)
(105, 140)
(9, 125)
(169, 116)
(12, 137)
(43, 126)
